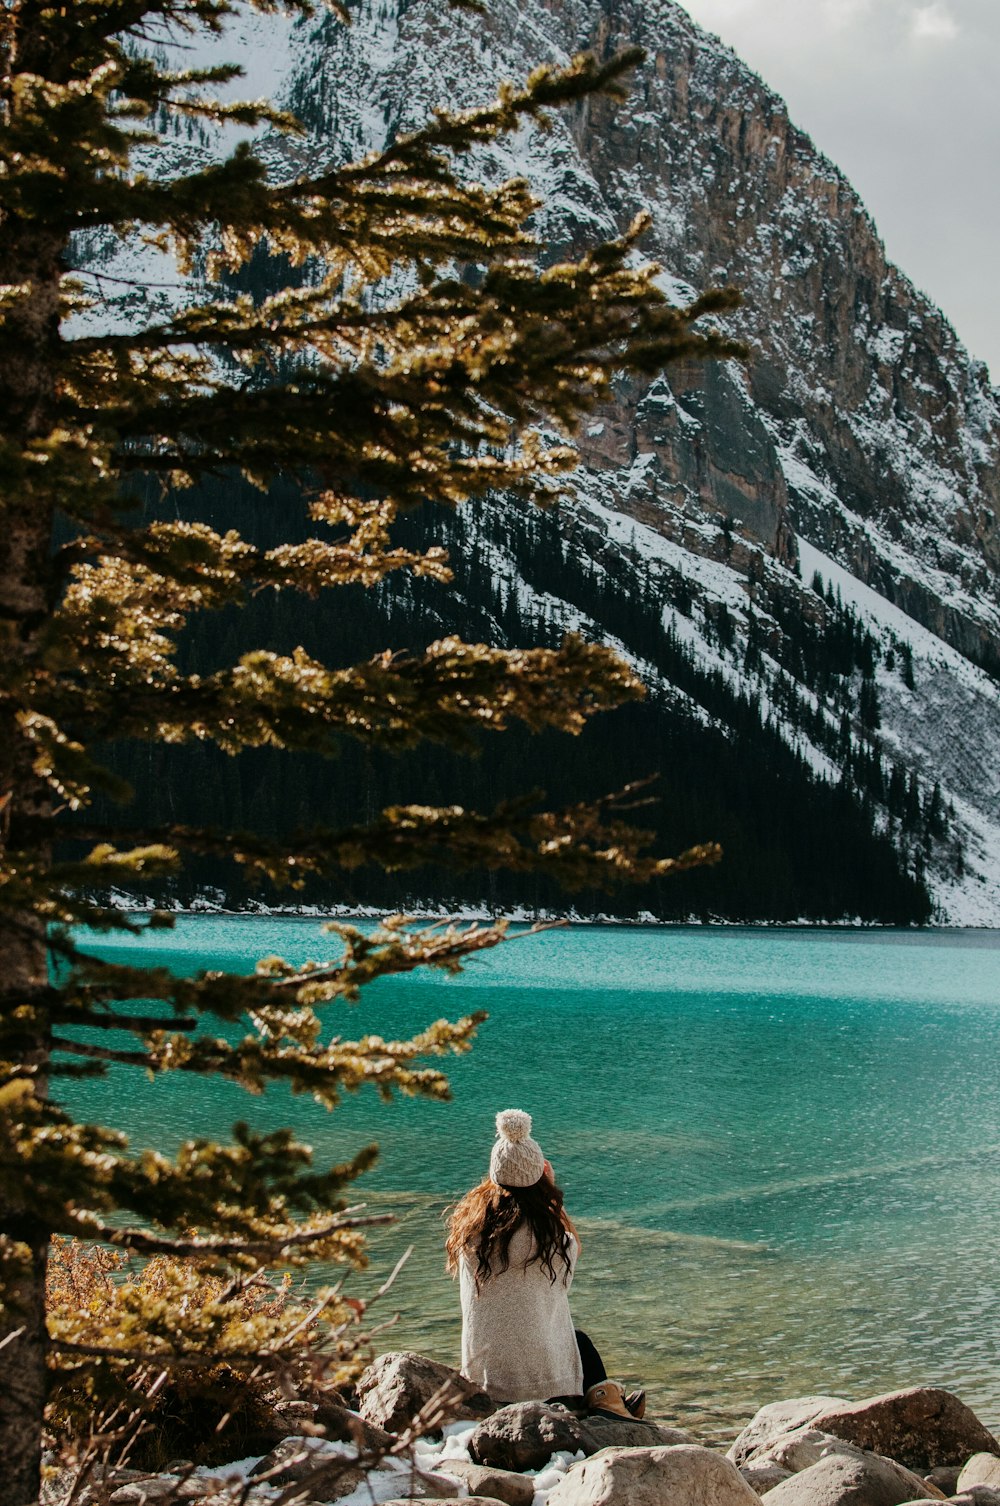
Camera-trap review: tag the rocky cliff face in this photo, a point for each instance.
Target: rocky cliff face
(887, 434)
(861, 398)
(858, 444)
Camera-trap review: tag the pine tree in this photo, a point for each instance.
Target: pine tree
(371, 401)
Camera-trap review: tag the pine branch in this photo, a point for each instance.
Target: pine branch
(390, 949)
(141, 1242)
(444, 695)
(69, 1013)
(585, 843)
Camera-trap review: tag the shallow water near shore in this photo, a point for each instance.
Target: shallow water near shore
(782, 1147)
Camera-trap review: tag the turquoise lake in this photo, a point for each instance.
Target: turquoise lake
(782, 1147)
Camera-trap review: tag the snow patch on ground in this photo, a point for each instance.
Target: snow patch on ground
(393, 1477)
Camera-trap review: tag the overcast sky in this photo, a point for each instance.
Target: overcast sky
(904, 96)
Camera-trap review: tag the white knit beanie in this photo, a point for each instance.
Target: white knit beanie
(517, 1160)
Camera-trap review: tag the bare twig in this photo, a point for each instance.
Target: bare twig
(14, 1334)
(390, 1279)
(104, 1053)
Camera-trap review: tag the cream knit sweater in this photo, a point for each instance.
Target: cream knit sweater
(517, 1334)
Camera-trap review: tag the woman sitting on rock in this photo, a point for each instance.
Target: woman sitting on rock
(513, 1246)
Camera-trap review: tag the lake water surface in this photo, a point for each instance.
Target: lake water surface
(782, 1147)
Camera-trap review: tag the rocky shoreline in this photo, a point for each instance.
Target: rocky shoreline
(416, 1430)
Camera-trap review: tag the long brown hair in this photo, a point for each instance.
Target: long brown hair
(488, 1217)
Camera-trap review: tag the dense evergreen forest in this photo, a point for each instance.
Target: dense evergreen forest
(795, 845)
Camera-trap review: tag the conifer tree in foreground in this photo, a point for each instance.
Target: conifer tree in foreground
(372, 402)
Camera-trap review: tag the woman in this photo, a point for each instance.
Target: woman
(514, 1248)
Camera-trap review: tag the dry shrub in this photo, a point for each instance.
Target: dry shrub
(200, 1360)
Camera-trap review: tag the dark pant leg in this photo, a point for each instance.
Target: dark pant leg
(593, 1365)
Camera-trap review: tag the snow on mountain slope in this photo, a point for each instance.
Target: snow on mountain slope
(947, 727)
(858, 443)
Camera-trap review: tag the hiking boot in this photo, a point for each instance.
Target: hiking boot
(607, 1399)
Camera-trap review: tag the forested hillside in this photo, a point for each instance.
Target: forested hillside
(797, 844)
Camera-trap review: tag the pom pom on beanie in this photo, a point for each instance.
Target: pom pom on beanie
(517, 1160)
(513, 1124)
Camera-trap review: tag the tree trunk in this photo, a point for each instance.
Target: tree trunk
(32, 261)
(24, 1050)
(23, 1371)
(28, 346)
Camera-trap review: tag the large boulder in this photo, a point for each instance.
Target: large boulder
(776, 1419)
(500, 1484)
(849, 1479)
(801, 1450)
(981, 1469)
(525, 1435)
(921, 1427)
(399, 1385)
(684, 1475)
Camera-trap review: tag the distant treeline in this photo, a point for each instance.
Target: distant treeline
(796, 846)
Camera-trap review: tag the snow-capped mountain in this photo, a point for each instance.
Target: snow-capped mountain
(841, 487)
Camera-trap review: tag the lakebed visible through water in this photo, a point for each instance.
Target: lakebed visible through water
(782, 1147)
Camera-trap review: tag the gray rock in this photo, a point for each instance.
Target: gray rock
(976, 1495)
(614, 1432)
(240, 1494)
(466, 1501)
(684, 1475)
(944, 1478)
(525, 1435)
(399, 1385)
(166, 1488)
(341, 1425)
(425, 1485)
(101, 1483)
(776, 1419)
(500, 1484)
(845, 1480)
(807, 1446)
(981, 1469)
(921, 1427)
(762, 1475)
(299, 1460)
